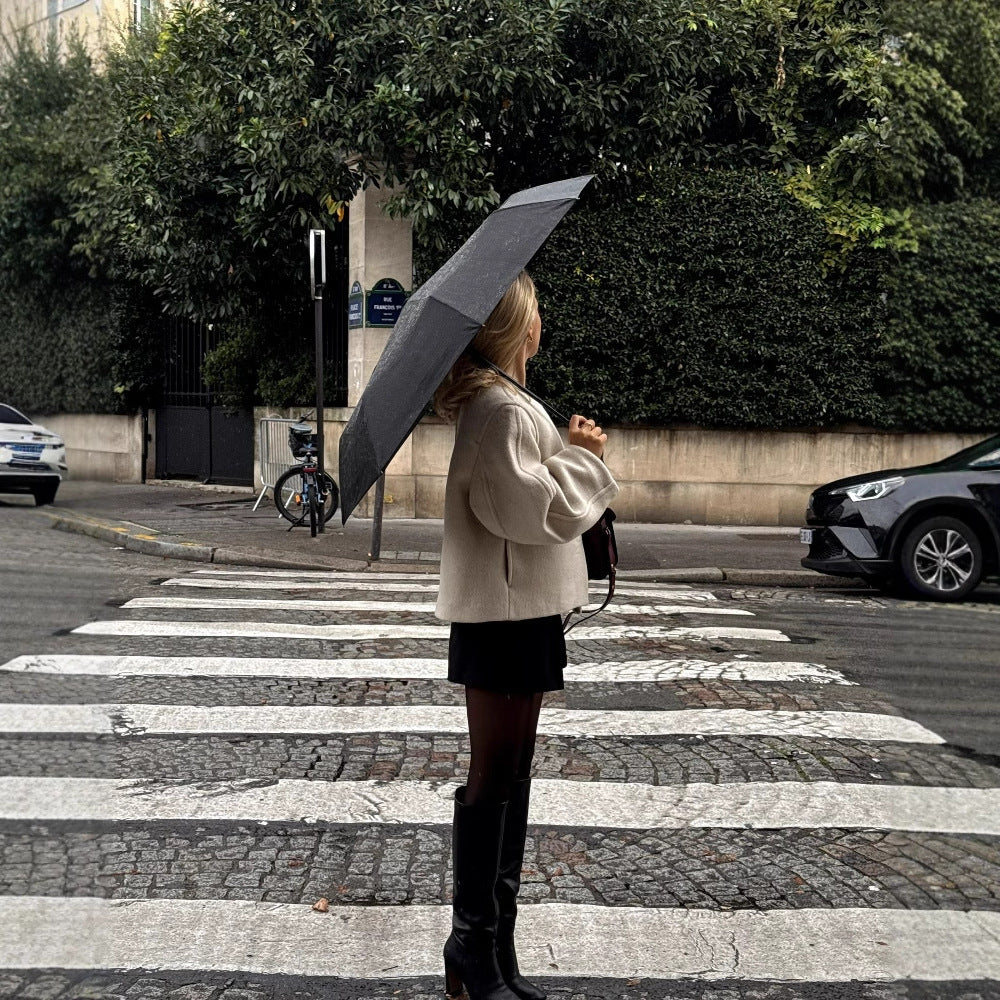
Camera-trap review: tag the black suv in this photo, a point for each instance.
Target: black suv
(933, 529)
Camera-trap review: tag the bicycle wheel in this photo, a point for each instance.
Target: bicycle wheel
(289, 492)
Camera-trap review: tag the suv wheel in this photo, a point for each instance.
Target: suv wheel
(44, 495)
(941, 559)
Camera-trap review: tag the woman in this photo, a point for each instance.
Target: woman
(516, 503)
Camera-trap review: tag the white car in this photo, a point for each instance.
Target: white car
(32, 459)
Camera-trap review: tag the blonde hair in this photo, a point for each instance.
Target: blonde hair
(499, 340)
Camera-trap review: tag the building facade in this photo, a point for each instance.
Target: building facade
(97, 21)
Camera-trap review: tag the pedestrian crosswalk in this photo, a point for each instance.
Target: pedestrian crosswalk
(412, 668)
(141, 720)
(778, 805)
(219, 762)
(380, 942)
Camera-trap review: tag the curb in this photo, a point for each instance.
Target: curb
(705, 574)
(147, 541)
(790, 578)
(134, 537)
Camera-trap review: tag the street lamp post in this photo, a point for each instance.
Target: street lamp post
(317, 280)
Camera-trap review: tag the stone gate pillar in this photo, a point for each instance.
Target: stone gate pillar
(379, 248)
(380, 254)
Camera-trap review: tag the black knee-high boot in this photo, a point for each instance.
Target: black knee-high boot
(470, 951)
(515, 829)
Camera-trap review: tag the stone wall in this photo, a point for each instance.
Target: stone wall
(673, 475)
(100, 447)
(666, 474)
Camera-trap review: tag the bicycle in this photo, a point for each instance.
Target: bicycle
(302, 491)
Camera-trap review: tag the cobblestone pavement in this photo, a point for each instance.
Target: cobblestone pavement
(713, 870)
(703, 868)
(179, 986)
(59, 689)
(663, 760)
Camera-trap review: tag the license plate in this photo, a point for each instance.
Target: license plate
(806, 536)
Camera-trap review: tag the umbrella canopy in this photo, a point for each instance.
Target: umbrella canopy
(437, 324)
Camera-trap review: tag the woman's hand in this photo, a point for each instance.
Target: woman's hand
(587, 434)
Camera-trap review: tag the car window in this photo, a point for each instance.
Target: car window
(8, 415)
(989, 461)
(976, 457)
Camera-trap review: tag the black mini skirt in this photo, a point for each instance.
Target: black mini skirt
(523, 657)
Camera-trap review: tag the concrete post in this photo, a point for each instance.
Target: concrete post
(379, 247)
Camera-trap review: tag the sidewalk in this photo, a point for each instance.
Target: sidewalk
(219, 525)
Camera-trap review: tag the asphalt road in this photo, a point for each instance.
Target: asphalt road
(53, 580)
(937, 663)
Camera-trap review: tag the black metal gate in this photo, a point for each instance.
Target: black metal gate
(198, 439)
(195, 437)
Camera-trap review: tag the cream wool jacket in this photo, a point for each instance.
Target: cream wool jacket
(517, 501)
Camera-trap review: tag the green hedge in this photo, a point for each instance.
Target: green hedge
(941, 363)
(83, 346)
(708, 301)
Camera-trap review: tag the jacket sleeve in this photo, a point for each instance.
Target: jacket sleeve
(517, 495)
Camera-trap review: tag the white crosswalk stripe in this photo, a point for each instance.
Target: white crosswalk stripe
(349, 633)
(414, 669)
(809, 945)
(316, 574)
(796, 946)
(342, 607)
(576, 804)
(132, 719)
(394, 586)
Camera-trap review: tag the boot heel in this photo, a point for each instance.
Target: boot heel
(453, 982)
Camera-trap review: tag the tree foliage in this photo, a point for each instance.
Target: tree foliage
(946, 63)
(240, 123)
(191, 167)
(217, 151)
(40, 152)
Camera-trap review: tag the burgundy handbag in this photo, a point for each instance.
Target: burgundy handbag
(599, 545)
(601, 550)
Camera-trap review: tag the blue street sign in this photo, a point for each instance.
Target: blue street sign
(355, 306)
(385, 302)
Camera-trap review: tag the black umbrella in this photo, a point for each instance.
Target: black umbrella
(437, 324)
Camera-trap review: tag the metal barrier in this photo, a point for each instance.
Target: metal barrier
(275, 455)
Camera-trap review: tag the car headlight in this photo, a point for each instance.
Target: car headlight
(874, 490)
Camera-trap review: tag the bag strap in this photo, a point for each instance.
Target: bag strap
(486, 363)
(590, 614)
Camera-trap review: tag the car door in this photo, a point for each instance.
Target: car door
(985, 484)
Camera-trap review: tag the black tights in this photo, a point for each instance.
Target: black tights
(502, 731)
